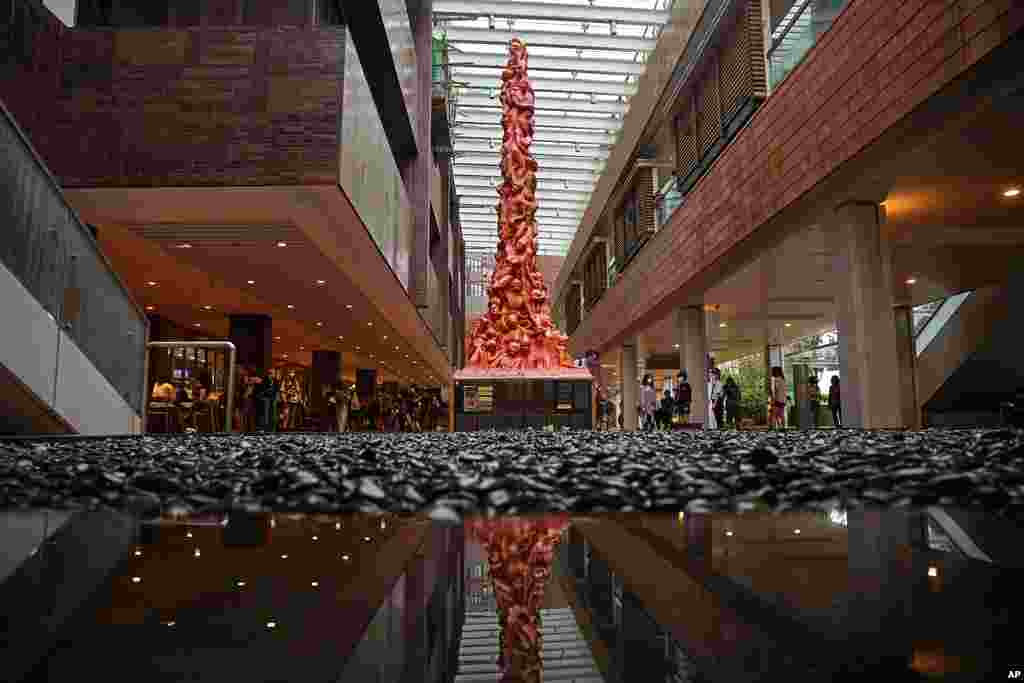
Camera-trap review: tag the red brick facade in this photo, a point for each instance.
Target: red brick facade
(877, 63)
(165, 107)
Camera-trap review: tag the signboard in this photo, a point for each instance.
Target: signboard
(478, 398)
(564, 400)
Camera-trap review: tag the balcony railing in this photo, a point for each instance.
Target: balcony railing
(57, 259)
(797, 32)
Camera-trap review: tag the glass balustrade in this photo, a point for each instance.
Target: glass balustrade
(796, 32)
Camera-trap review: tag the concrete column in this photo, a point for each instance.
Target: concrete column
(691, 323)
(253, 340)
(906, 358)
(326, 372)
(629, 390)
(864, 310)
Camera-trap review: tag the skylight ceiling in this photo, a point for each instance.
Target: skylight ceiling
(585, 61)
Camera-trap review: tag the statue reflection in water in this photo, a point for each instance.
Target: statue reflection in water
(519, 554)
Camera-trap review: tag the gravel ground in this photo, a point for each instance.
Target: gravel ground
(518, 472)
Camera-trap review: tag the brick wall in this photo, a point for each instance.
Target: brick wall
(879, 61)
(164, 107)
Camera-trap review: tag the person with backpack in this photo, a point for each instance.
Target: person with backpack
(732, 402)
(684, 397)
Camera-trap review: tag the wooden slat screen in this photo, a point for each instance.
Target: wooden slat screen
(756, 50)
(736, 86)
(709, 112)
(595, 277)
(572, 309)
(687, 152)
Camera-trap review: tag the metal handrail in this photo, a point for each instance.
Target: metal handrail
(202, 345)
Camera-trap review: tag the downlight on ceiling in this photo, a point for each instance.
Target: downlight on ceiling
(282, 244)
(911, 280)
(1012, 192)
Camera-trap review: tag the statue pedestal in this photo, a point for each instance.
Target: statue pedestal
(522, 399)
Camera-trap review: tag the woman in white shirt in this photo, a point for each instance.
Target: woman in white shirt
(714, 392)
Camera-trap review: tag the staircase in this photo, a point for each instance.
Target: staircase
(566, 655)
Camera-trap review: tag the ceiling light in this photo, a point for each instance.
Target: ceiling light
(796, 531)
(196, 325)
(396, 348)
(933, 572)
(789, 324)
(1012, 192)
(207, 308)
(271, 624)
(170, 623)
(348, 306)
(346, 558)
(198, 553)
(277, 339)
(240, 584)
(251, 282)
(319, 324)
(284, 355)
(728, 533)
(151, 284)
(284, 557)
(138, 553)
(185, 245)
(136, 579)
(340, 337)
(911, 280)
(150, 308)
(676, 346)
(302, 348)
(315, 584)
(367, 539)
(282, 244)
(722, 325)
(321, 282)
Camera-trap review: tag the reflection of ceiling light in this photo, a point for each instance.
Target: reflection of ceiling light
(933, 571)
(1012, 192)
(283, 355)
(170, 623)
(282, 244)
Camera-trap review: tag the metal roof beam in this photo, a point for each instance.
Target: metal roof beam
(545, 11)
(578, 64)
(551, 184)
(479, 213)
(468, 117)
(542, 225)
(543, 103)
(570, 168)
(586, 41)
(541, 84)
(541, 135)
(558, 195)
(550, 204)
(537, 150)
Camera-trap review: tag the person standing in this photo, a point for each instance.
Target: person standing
(835, 402)
(732, 402)
(778, 398)
(648, 402)
(665, 411)
(813, 399)
(714, 415)
(684, 397)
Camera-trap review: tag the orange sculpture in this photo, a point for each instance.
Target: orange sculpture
(519, 556)
(517, 332)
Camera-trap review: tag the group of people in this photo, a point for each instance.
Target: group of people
(407, 411)
(723, 402)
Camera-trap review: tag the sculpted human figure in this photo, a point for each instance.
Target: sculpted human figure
(518, 331)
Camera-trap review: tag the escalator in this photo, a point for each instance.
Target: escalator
(968, 367)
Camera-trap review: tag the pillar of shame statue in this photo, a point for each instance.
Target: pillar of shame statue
(516, 333)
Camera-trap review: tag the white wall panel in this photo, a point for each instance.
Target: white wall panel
(28, 337)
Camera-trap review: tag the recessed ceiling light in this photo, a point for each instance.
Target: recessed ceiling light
(251, 282)
(796, 531)
(319, 324)
(277, 339)
(184, 245)
(282, 244)
(196, 325)
(340, 337)
(207, 308)
(369, 324)
(136, 579)
(151, 283)
(722, 325)
(933, 572)
(302, 348)
(789, 324)
(271, 624)
(911, 280)
(1012, 192)
(321, 282)
(284, 355)
(676, 346)
(385, 337)
(150, 308)
(291, 306)
(348, 306)
(396, 348)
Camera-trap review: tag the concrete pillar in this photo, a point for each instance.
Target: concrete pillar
(864, 310)
(630, 389)
(253, 340)
(906, 358)
(326, 372)
(691, 324)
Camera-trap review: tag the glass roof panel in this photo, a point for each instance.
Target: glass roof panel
(584, 68)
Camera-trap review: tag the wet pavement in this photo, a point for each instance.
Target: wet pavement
(519, 472)
(912, 593)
